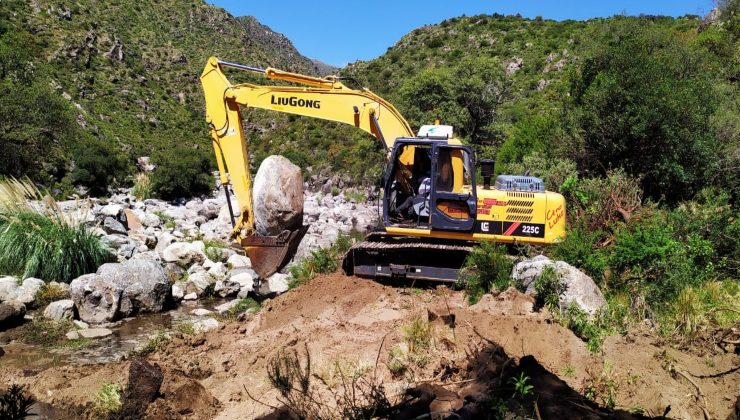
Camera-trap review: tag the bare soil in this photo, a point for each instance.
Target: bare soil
(352, 324)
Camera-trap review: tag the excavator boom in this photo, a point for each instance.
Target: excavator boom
(324, 98)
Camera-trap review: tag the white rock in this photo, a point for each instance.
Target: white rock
(111, 210)
(26, 293)
(579, 288)
(205, 325)
(201, 312)
(217, 270)
(96, 298)
(61, 309)
(276, 283)
(226, 307)
(226, 288)
(198, 282)
(237, 260)
(81, 324)
(94, 333)
(207, 264)
(178, 291)
(184, 253)
(190, 296)
(245, 279)
(8, 288)
(163, 241)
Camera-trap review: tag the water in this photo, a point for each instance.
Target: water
(128, 335)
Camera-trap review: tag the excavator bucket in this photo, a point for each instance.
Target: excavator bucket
(270, 253)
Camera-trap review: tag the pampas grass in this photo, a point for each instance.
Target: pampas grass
(37, 239)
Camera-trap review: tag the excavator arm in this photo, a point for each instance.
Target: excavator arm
(324, 98)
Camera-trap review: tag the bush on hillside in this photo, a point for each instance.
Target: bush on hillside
(98, 165)
(38, 240)
(645, 99)
(182, 172)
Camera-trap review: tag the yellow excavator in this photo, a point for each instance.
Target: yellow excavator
(433, 210)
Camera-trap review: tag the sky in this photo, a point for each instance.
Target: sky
(341, 32)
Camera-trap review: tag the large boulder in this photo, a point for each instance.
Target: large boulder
(277, 196)
(276, 283)
(580, 289)
(145, 285)
(97, 298)
(11, 314)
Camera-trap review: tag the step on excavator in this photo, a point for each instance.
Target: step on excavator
(433, 209)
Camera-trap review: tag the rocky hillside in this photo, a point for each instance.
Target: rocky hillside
(123, 77)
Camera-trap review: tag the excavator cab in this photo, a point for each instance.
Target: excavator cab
(430, 185)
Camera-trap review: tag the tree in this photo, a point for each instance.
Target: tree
(645, 101)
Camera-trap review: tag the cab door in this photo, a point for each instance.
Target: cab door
(453, 197)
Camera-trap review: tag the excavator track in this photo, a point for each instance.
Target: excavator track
(383, 256)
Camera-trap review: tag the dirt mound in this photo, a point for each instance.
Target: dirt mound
(357, 327)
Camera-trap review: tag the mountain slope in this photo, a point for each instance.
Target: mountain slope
(127, 72)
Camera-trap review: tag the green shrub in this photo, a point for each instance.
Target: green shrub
(486, 268)
(321, 261)
(98, 165)
(40, 241)
(108, 399)
(577, 320)
(182, 172)
(580, 249)
(549, 286)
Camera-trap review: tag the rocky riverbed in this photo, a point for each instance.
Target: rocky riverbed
(174, 264)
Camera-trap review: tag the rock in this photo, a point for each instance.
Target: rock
(198, 283)
(94, 333)
(210, 209)
(150, 220)
(72, 335)
(97, 299)
(61, 309)
(217, 270)
(11, 314)
(144, 164)
(81, 324)
(8, 288)
(145, 285)
(205, 325)
(579, 288)
(174, 272)
(132, 221)
(24, 293)
(278, 196)
(163, 241)
(237, 260)
(226, 288)
(183, 253)
(276, 283)
(144, 381)
(190, 296)
(514, 66)
(245, 278)
(113, 226)
(111, 210)
(226, 307)
(201, 312)
(178, 292)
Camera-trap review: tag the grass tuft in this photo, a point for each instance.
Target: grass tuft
(142, 187)
(38, 240)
